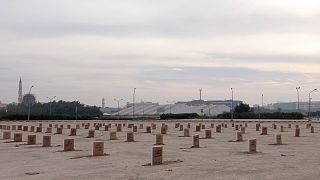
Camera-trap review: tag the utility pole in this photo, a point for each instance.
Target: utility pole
(259, 112)
(310, 103)
(298, 94)
(118, 101)
(232, 104)
(50, 102)
(142, 110)
(170, 103)
(262, 103)
(133, 105)
(29, 102)
(76, 112)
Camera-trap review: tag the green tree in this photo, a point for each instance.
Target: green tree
(242, 108)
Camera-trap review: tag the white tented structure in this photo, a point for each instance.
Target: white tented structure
(152, 109)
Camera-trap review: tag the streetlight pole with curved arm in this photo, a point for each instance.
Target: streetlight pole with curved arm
(118, 101)
(29, 103)
(134, 99)
(298, 94)
(50, 102)
(309, 114)
(170, 103)
(232, 104)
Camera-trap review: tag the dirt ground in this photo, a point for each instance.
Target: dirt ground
(217, 158)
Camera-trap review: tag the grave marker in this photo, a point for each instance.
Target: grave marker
(49, 130)
(68, 145)
(32, 139)
(46, 141)
(252, 145)
(91, 133)
(59, 131)
(148, 129)
(208, 134)
(239, 136)
(135, 128)
(278, 139)
(130, 137)
(73, 132)
(297, 132)
(156, 157)
(264, 131)
(98, 148)
(113, 135)
(17, 137)
(196, 143)
(159, 139)
(6, 135)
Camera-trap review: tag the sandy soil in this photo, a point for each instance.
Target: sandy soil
(218, 158)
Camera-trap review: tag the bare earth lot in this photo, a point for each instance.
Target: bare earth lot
(218, 158)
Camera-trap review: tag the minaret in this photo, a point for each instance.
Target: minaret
(20, 92)
(103, 103)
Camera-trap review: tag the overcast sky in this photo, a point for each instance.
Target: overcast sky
(168, 49)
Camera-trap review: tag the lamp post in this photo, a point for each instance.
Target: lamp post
(170, 102)
(298, 94)
(310, 103)
(142, 109)
(50, 102)
(231, 103)
(118, 101)
(29, 103)
(76, 111)
(133, 105)
(262, 102)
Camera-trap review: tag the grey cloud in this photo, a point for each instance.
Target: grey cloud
(205, 18)
(173, 27)
(289, 58)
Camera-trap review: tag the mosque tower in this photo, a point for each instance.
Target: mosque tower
(103, 103)
(20, 98)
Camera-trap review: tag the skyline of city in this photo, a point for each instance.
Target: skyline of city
(88, 50)
(103, 103)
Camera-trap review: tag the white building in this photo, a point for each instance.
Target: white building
(152, 109)
(293, 106)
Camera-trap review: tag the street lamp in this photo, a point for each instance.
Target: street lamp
(29, 102)
(298, 94)
(231, 103)
(310, 103)
(261, 109)
(118, 101)
(50, 100)
(170, 102)
(76, 111)
(133, 105)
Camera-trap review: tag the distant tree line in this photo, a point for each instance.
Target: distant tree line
(275, 115)
(179, 116)
(243, 111)
(315, 114)
(59, 110)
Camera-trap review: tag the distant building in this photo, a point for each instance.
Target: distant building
(205, 108)
(109, 110)
(29, 99)
(2, 105)
(293, 106)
